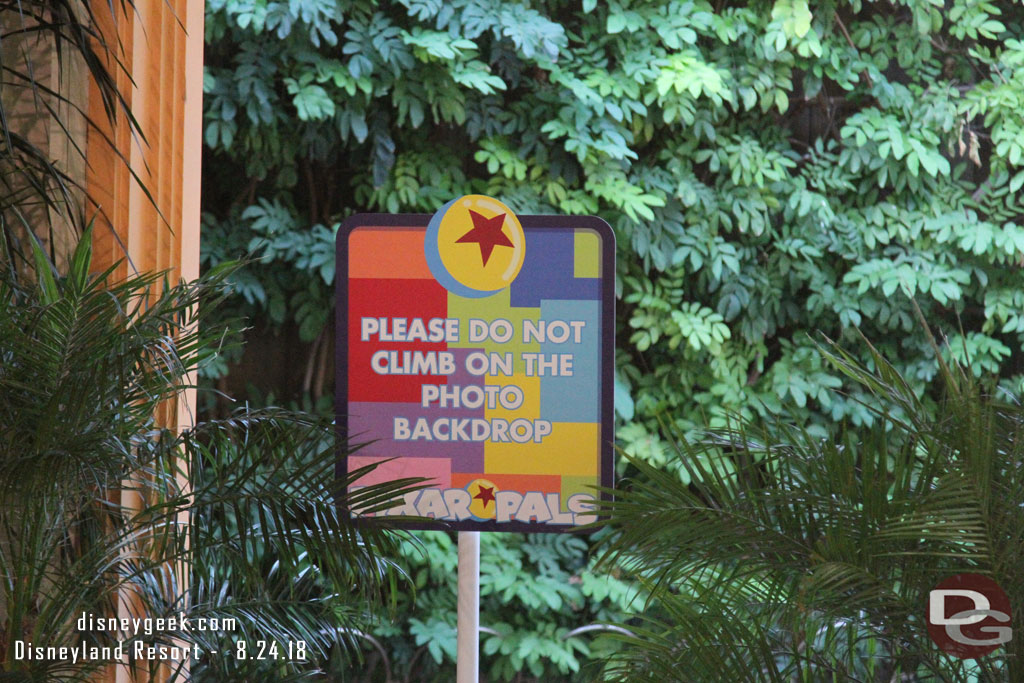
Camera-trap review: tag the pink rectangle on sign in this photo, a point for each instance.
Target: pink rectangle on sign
(437, 469)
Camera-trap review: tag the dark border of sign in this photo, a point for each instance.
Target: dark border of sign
(607, 419)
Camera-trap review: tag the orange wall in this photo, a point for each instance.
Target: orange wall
(160, 44)
(161, 47)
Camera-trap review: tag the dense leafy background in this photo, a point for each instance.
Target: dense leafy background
(772, 171)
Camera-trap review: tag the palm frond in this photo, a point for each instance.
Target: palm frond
(35, 187)
(100, 508)
(841, 538)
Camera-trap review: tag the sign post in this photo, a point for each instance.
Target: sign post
(467, 647)
(475, 349)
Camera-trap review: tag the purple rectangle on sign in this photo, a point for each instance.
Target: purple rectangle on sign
(376, 422)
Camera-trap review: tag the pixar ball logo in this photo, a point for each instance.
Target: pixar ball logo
(475, 246)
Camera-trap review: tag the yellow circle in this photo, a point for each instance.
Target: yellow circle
(482, 498)
(480, 260)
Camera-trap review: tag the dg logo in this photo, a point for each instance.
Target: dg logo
(969, 616)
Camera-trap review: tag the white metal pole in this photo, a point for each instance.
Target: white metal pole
(467, 660)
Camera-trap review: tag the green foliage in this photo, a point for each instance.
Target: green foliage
(48, 45)
(535, 589)
(771, 170)
(814, 558)
(99, 504)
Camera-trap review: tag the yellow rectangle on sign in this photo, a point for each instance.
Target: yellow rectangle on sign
(572, 448)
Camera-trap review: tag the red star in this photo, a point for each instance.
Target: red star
(484, 493)
(487, 233)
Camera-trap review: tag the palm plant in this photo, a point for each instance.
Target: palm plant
(48, 50)
(103, 512)
(791, 558)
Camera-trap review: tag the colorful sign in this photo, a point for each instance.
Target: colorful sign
(476, 349)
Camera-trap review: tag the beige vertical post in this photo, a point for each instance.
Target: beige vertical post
(467, 636)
